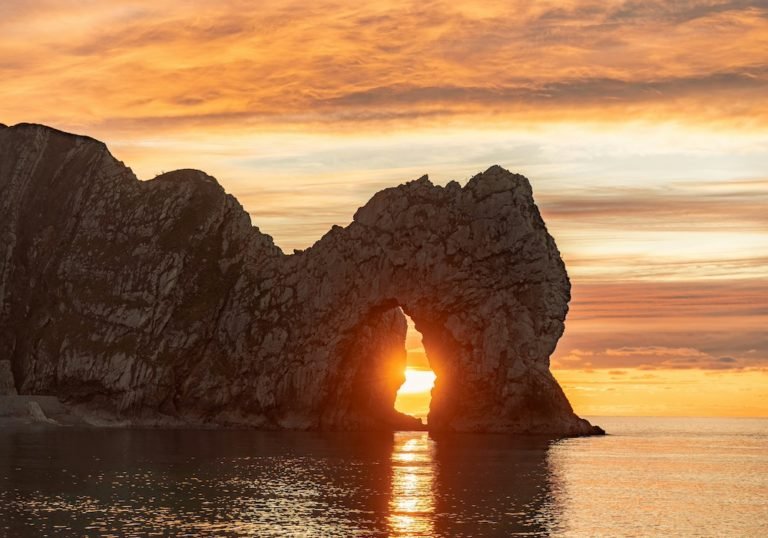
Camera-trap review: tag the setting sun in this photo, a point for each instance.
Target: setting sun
(417, 381)
(415, 393)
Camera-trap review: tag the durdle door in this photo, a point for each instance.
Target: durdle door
(157, 302)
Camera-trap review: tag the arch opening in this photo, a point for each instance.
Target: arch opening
(414, 395)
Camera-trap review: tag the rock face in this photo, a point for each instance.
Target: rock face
(7, 386)
(152, 300)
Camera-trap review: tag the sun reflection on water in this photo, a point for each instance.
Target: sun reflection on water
(412, 501)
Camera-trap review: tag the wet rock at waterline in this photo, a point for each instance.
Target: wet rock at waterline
(158, 302)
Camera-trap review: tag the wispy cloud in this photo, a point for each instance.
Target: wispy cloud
(677, 206)
(655, 358)
(172, 64)
(712, 325)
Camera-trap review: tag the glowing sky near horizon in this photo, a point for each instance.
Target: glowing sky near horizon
(643, 127)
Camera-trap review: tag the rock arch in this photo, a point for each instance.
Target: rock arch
(157, 300)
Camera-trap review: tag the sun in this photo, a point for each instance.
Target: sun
(417, 381)
(415, 394)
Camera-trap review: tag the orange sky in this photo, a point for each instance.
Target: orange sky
(643, 127)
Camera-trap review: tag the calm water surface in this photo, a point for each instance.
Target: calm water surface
(652, 477)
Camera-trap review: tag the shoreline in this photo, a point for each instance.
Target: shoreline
(33, 411)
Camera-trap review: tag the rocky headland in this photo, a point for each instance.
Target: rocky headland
(157, 302)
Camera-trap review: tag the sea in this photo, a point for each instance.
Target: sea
(648, 477)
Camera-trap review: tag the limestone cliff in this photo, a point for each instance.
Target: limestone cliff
(154, 300)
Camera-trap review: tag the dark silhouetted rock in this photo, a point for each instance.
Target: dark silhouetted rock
(157, 301)
(7, 386)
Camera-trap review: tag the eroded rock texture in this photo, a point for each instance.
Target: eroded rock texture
(7, 386)
(158, 300)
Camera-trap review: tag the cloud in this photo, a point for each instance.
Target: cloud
(654, 358)
(727, 303)
(676, 206)
(708, 325)
(169, 65)
(569, 93)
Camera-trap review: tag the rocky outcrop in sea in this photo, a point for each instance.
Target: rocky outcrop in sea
(157, 302)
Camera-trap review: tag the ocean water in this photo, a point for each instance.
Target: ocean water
(650, 477)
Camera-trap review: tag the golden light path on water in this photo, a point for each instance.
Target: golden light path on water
(412, 502)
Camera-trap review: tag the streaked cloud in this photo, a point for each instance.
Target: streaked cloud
(667, 325)
(171, 64)
(733, 205)
(658, 357)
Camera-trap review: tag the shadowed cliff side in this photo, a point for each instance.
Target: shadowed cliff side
(158, 302)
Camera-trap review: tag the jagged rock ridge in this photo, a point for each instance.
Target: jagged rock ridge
(153, 300)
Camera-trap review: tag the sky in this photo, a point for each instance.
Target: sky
(641, 125)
